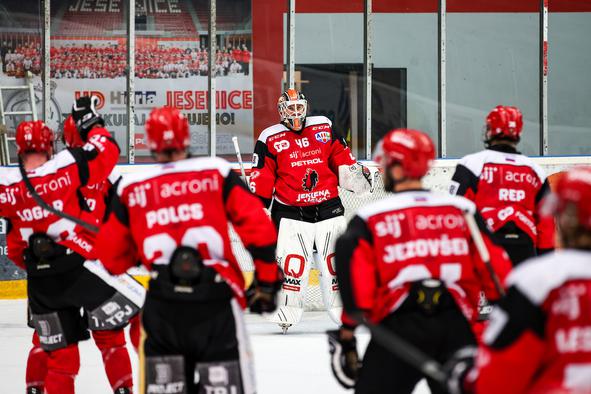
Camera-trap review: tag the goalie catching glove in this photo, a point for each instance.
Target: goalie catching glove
(262, 296)
(356, 178)
(85, 115)
(344, 359)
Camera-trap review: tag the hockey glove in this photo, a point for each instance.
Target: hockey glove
(457, 368)
(344, 360)
(368, 176)
(262, 296)
(85, 115)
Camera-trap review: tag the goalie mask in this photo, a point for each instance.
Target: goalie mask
(292, 106)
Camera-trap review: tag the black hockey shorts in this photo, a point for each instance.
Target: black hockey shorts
(56, 302)
(195, 347)
(517, 243)
(438, 335)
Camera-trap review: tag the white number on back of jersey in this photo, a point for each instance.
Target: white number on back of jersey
(159, 248)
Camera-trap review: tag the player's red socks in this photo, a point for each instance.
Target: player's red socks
(62, 368)
(115, 358)
(135, 332)
(36, 368)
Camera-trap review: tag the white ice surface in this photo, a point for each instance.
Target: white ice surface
(295, 363)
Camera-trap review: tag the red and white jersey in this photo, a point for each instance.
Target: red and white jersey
(539, 336)
(299, 168)
(94, 206)
(506, 187)
(188, 203)
(56, 182)
(407, 237)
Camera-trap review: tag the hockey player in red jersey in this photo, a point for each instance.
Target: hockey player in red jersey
(408, 263)
(539, 336)
(174, 219)
(507, 187)
(297, 166)
(52, 248)
(111, 343)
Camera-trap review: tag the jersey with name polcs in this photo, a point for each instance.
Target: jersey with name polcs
(299, 168)
(506, 187)
(56, 182)
(187, 203)
(407, 237)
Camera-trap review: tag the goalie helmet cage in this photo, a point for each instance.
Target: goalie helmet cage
(437, 180)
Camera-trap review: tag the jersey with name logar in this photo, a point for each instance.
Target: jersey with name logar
(415, 235)
(299, 168)
(56, 182)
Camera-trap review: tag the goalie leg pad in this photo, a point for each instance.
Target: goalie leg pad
(327, 233)
(219, 377)
(294, 256)
(165, 374)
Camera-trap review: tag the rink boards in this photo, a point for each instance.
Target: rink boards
(13, 282)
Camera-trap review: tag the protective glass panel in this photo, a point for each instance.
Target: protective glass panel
(569, 85)
(492, 58)
(20, 62)
(405, 76)
(89, 57)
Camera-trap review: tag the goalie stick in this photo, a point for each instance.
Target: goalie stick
(239, 157)
(49, 208)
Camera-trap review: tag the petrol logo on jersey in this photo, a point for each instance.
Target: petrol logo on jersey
(322, 136)
(310, 180)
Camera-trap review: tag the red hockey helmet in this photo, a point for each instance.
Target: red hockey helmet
(293, 107)
(572, 188)
(34, 136)
(412, 149)
(167, 130)
(72, 137)
(504, 122)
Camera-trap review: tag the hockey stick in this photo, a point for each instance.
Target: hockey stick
(483, 251)
(239, 157)
(49, 208)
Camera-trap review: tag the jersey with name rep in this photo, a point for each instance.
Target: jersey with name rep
(299, 168)
(506, 187)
